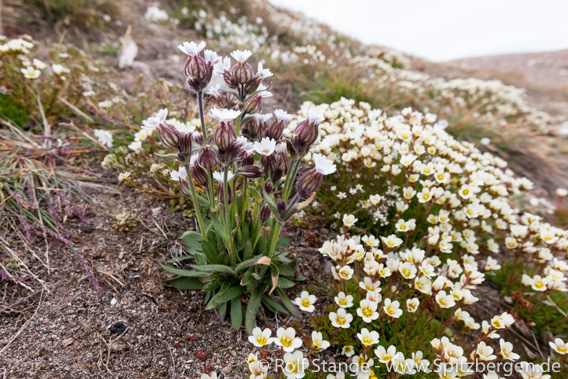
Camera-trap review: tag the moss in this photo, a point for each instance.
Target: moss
(13, 111)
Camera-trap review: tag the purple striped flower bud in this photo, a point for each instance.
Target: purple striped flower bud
(225, 135)
(169, 136)
(199, 176)
(208, 158)
(264, 214)
(311, 180)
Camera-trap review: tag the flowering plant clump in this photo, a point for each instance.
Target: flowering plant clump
(245, 178)
(31, 89)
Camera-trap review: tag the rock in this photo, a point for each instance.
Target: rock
(118, 328)
(87, 228)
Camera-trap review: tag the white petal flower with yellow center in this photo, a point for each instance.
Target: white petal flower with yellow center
(286, 338)
(368, 311)
(385, 355)
(445, 300)
(349, 220)
(318, 343)
(265, 147)
(344, 301)
(392, 308)
(31, 72)
(368, 338)
(306, 301)
(340, 319)
(559, 346)
(295, 365)
(260, 338)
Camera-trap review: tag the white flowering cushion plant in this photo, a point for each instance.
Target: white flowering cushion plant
(245, 179)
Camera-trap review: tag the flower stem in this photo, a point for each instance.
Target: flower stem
(195, 204)
(202, 115)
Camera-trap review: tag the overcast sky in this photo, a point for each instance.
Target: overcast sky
(446, 29)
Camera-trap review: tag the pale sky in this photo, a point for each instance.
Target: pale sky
(442, 30)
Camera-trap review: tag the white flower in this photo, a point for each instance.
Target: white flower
(318, 343)
(306, 301)
(344, 301)
(348, 351)
(262, 117)
(392, 308)
(219, 176)
(286, 338)
(181, 173)
(282, 115)
(241, 55)
(265, 147)
(349, 221)
(323, 165)
(367, 310)
(295, 365)
(30, 72)
(341, 319)
(561, 192)
(39, 64)
(155, 121)
(220, 67)
(104, 137)
(192, 48)
(260, 338)
(263, 72)
(211, 56)
(224, 114)
(59, 69)
(559, 346)
(214, 90)
(315, 117)
(368, 338)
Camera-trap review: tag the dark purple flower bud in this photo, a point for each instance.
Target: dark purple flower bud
(283, 161)
(264, 214)
(199, 176)
(304, 136)
(252, 85)
(251, 129)
(230, 79)
(281, 206)
(251, 172)
(169, 136)
(225, 135)
(276, 175)
(268, 187)
(198, 138)
(186, 144)
(254, 105)
(304, 194)
(231, 154)
(208, 158)
(311, 180)
(275, 130)
(243, 72)
(247, 158)
(269, 162)
(198, 72)
(184, 187)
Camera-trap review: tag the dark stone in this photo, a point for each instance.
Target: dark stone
(46, 330)
(87, 228)
(118, 328)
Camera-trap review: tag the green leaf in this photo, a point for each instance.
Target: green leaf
(282, 242)
(191, 240)
(210, 250)
(179, 259)
(288, 303)
(285, 283)
(237, 313)
(247, 252)
(186, 273)
(224, 296)
(273, 305)
(271, 203)
(210, 286)
(187, 284)
(286, 270)
(219, 228)
(252, 309)
(260, 260)
(215, 268)
(222, 309)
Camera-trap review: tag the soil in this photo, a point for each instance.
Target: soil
(68, 330)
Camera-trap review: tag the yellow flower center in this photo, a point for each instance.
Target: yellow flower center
(286, 341)
(367, 311)
(340, 320)
(390, 310)
(367, 340)
(306, 302)
(261, 340)
(343, 302)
